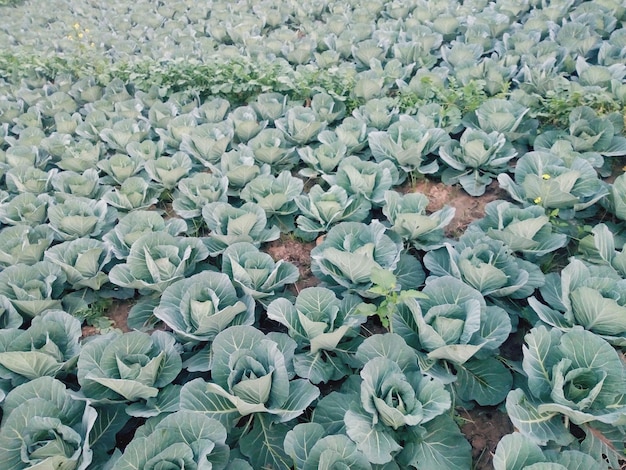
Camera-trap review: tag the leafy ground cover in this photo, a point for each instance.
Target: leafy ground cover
(338, 234)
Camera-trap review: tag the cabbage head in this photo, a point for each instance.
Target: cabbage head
(593, 297)
(135, 193)
(395, 413)
(84, 262)
(525, 230)
(325, 329)
(408, 218)
(78, 217)
(252, 377)
(349, 253)
(487, 265)
(157, 260)
(363, 178)
(320, 210)
(453, 323)
(544, 179)
(475, 159)
(180, 441)
(132, 226)
(517, 452)
(48, 347)
(255, 273)
(31, 290)
(311, 449)
(193, 193)
(24, 244)
(276, 195)
(129, 367)
(45, 425)
(199, 307)
(229, 224)
(26, 209)
(572, 377)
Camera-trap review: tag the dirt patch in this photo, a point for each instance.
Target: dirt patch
(119, 314)
(468, 208)
(298, 253)
(483, 428)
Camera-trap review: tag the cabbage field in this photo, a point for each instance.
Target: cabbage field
(224, 245)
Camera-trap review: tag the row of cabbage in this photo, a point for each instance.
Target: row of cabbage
(90, 170)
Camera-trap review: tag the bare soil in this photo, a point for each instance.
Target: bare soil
(298, 253)
(468, 208)
(483, 428)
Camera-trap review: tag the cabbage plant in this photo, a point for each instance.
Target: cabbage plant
(197, 308)
(543, 179)
(181, 440)
(311, 448)
(301, 125)
(32, 290)
(78, 217)
(29, 179)
(135, 193)
(132, 226)
(120, 167)
(194, 192)
(167, 171)
(396, 414)
(24, 244)
(365, 178)
(325, 329)
(276, 195)
(229, 224)
(408, 218)
(48, 347)
(245, 123)
(252, 378)
(123, 132)
(475, 159)
(592, 297)
(133, 368)
(487, 265)
(573, 377)
(80, 156)
(86, 184)
(351, 251)
(322, 209)
(44, 425)
(207, 143)
(507, 117)
(322, 159)
(409, 145)
(255, 273)
(25, 209)
(83, 260)
(240, 167)
(270, 106)
(517, 452)
(453, 323)
(270, 147)
(526, 230)
(157, 260)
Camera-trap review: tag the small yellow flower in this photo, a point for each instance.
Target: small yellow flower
(80, 35)
(70, 38)
(546, 176)
(537, 200)
(76, 26)
(86, 30)
(93, 44)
